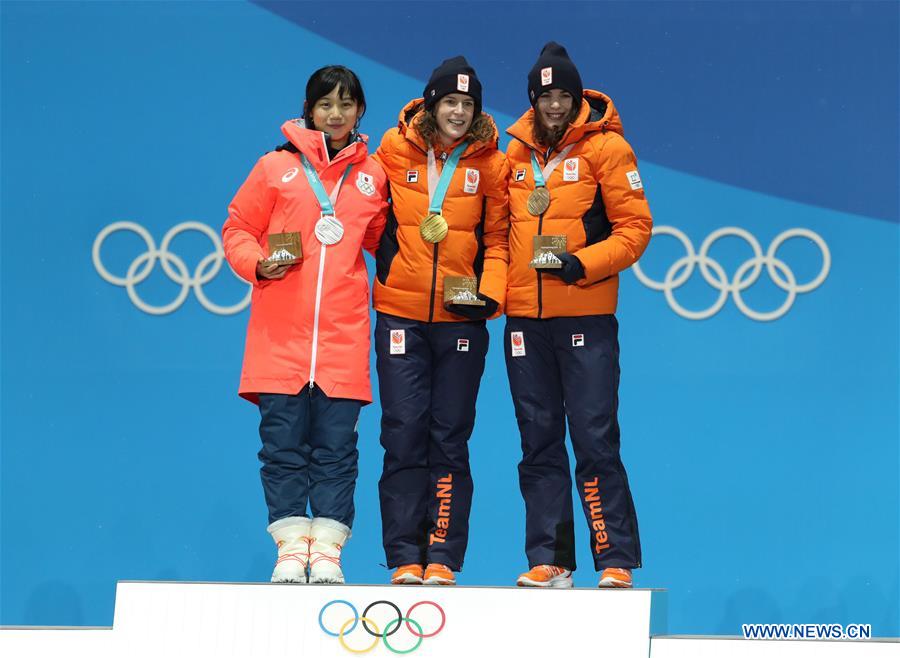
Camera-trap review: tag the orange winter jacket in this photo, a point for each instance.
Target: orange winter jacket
(597, 202)
(327, 294)
(410, 271)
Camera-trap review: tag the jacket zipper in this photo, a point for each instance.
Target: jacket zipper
(434, 269)
(319, 280)
(315, 337)
(540, 278)
(538, 272)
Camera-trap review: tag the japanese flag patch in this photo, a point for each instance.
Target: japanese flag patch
(462, 345)
(365, 184)
(517, 343)
(412, 176)
(520, 175)
(570, 169)
(462, 82)
(398, 341)
(472, 178)
(577, 340)
(634, 179)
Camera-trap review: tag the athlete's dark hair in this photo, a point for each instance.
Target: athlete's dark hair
(327, 78)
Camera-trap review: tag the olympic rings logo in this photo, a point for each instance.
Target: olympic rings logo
(372, 628)
(744, 277)
(174, 267)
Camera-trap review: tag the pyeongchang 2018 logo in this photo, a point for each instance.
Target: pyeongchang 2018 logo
(746, 275)
(381, 622)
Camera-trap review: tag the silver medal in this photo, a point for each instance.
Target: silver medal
(329, 230)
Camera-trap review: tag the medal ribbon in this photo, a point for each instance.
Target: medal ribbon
(541, 175)
(437, 186)
(326, 201)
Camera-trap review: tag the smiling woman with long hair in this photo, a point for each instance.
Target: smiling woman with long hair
(295, 230)
(441, 272)
(578, 218)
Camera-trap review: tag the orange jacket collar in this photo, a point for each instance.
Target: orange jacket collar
(588, 120)
(311, 143)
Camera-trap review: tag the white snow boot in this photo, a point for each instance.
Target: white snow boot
(327, 539)
(291, 535)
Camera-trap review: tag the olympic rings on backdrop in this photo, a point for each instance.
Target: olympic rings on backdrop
(173, 266)
(745, 276)
(390, 628)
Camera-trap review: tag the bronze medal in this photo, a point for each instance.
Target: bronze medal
(539, 201)
(433, 228)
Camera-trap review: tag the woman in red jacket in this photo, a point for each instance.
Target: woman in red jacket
(295, 230)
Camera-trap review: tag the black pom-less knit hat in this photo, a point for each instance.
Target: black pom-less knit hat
(453, 76)
(553, 70)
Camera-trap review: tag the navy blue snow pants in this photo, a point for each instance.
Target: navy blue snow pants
(309, 454)
(559, 369)
(428, 388)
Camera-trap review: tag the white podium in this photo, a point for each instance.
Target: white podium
(244, 620)
(249, 620)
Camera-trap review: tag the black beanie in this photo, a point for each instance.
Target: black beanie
(553, 70)
(453, 76)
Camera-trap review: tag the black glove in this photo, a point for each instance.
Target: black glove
(571, 271)
(475, 312)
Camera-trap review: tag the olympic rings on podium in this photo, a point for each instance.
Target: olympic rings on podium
(408, 622)
(439, 609)
(348, 626)
(396, 609)
(344, 632)
(331, 603)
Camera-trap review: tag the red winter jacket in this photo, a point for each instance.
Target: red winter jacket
(281, 355)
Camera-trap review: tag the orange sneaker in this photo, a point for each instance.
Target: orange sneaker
(615, 578)
(408, 574)
(546, 575)
(438, 574)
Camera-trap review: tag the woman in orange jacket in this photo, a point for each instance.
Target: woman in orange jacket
(441, 272)
(578, 217)
(295, 230)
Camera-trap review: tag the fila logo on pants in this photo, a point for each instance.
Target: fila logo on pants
(444, 494)
(598, 525)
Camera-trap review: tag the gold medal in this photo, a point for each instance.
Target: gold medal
(539, 201)
(433, 228)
